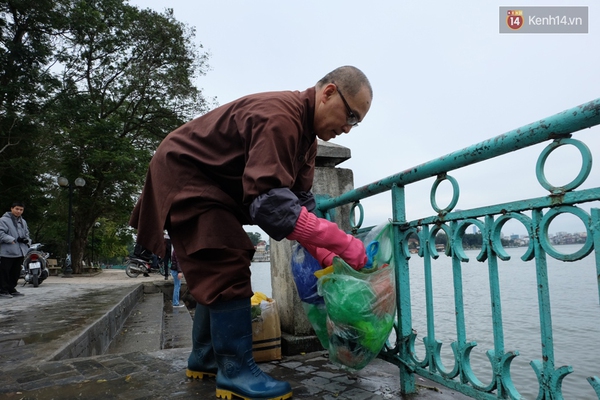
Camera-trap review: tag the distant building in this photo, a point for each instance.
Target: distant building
(262, 253)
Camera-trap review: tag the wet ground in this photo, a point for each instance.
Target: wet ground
(64, 316)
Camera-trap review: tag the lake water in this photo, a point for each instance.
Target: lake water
(575, 315)
(261, 277)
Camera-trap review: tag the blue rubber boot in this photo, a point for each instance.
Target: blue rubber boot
(202, 361)
(238, 374)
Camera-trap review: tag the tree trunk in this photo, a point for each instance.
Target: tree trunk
(77, 248)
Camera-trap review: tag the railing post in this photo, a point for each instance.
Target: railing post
(407, 379)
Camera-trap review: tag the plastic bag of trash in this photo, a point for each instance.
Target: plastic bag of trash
(352, 312)
(360, 312)
(304, 266)
(317, 315)
(382, 235)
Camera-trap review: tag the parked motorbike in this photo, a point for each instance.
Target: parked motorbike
(35, 265)
(142, 264)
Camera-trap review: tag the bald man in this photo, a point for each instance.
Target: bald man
(248, 162)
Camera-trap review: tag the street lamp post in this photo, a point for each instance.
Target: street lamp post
(64, 182)
(96, 225)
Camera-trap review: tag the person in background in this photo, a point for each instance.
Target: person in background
(14, 240)
(168, 252)
(248, 162)
(153, 264)
(177, 274)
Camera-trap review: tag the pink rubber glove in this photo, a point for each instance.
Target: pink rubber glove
(319, 232)
(323, 256)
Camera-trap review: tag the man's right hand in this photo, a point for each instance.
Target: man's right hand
(311, 230)
(323, 256)
(355, 254)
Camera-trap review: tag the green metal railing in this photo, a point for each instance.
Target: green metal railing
(535, 214)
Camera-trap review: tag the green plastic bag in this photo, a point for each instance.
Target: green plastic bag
(317, 315)
(360, 306)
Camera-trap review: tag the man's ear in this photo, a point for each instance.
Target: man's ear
(327, 92)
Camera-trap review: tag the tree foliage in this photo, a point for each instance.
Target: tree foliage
(255, 237)
(117, 80)
(27, 32)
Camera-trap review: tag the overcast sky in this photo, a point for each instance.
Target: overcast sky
(443, 77)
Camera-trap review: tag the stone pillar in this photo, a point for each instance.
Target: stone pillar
(297, 333)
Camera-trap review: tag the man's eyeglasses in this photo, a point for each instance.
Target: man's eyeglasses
(351, 119)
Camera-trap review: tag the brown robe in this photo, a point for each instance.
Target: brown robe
(223, 160)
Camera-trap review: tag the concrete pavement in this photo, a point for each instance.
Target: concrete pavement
(56, 342)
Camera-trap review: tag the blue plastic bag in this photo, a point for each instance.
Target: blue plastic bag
(304, 266)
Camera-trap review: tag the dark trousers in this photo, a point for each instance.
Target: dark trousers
(167, 258)
(167, 262)
(220, 269)
(217, 275)
(10, 272)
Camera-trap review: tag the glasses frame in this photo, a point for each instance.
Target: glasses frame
(352, 118)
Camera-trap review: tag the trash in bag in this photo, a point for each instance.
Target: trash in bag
(360, 312)
(255, 303)
(352, 312)
(348, 298)
(372, 249)
(382, 234)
